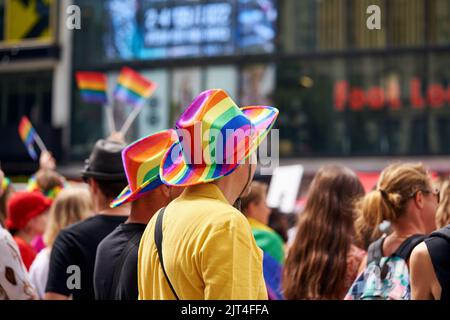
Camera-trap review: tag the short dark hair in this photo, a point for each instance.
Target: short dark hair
(110, 189)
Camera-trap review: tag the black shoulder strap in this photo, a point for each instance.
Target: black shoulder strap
(158, 242)
(119, 265)
(375, 251)
(405, 249)
(442, 233)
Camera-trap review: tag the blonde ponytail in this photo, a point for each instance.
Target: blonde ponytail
(396, 185)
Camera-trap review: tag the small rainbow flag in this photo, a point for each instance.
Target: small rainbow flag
(92, 86)
(28, 136)
(132, 88)
(5, 183)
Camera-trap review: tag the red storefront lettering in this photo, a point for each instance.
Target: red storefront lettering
(393, 95)
(357, 99)
(417, 101)
(375, 98)
(436, 95)
(340, 95)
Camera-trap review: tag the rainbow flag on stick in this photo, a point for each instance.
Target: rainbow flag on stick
(29, 137)
(132, 88)
(92, 86)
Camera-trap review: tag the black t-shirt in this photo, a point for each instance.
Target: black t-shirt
(439, 250)
(115, 275)
(72, 259)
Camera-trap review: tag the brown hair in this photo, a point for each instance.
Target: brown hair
(70, 206)
(396, 185)
(317, 261)
(443, 211)
(256, 194)
(111, 189)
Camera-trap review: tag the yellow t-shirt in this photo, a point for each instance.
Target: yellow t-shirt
(208, 248)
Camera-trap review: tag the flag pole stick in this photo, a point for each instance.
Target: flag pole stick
(40, 143)
(126, 126)
(110, 118)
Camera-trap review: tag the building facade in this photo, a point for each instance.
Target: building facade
(343, 90)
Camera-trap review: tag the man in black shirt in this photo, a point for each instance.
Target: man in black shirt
(72, 257)
(115, 275)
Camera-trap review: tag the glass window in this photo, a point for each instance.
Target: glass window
(257, 84)
(314, 25)
(223, 77)
(372, 105)
(33, 98)
(439, 23)
(186, 85)
(155, 117)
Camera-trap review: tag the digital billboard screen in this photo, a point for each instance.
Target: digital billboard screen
(149, 29)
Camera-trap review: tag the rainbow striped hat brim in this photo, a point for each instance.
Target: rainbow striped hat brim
(141, 161)
(214, 109)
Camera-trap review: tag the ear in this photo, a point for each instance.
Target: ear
(419, 200)
(165, 190)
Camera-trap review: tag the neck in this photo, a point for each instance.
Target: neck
(28, 237)
(405, 227)
(228, 189)
(142, 210)
(105, 209)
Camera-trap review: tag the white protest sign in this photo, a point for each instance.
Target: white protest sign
(284, 188)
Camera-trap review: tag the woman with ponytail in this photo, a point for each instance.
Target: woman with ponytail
(406, 198)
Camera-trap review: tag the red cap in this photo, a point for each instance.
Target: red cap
(24, 206)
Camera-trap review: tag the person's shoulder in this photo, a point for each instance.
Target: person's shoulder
(356, 252)
(275, 237)
(419, 254)
(74, 232)
(5, 237)
(80, 225)
(112, 239)
(227, 216)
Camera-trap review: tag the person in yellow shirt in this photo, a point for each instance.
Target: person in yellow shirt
(200, 246)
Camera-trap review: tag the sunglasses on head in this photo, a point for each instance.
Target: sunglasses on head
(435, 192)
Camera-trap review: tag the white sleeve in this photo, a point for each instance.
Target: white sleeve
(14, 281)
(38, 273)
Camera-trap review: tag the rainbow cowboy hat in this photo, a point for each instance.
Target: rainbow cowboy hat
(141, 161)
(214, 137)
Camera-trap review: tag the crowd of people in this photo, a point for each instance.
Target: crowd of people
(150, 223)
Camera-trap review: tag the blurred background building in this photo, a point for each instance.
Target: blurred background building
(345, 93)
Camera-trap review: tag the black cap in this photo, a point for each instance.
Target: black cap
(105, 162)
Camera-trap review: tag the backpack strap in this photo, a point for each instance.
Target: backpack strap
(375, 251)
(158, 242)
(442, 233)
(407, 246)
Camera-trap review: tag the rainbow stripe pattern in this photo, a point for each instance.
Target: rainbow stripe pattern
(28, 136)
(273, 248)
(93, 86)
(5, 183)
(132, 88)
(52, 193)
(215, 136)
(141, 161)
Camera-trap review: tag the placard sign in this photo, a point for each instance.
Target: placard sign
(284, 187)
